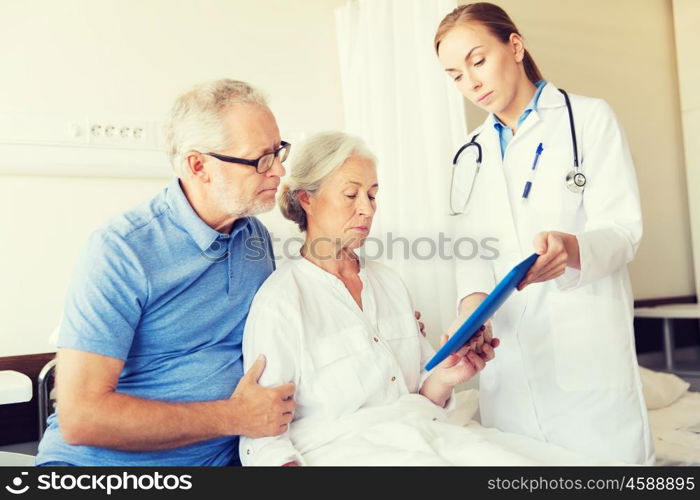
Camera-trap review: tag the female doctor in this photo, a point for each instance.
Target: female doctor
(556, 178)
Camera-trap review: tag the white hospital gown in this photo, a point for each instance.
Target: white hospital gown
(341, 358)
(357, 374)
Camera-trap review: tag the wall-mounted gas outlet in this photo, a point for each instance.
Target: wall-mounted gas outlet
(70, 144)
(66, 130)
(122, 133)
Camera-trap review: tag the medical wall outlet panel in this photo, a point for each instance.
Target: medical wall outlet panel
(63, 144)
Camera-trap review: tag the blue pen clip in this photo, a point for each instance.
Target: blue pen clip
(528, 184)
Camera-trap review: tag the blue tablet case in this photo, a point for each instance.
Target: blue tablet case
(485, 311)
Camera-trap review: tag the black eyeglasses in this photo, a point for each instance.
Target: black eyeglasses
(262, 164)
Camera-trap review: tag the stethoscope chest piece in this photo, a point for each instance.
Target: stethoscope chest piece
(575, 181)
(464, 177)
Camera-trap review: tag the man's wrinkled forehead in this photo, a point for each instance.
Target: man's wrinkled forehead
(251, 129)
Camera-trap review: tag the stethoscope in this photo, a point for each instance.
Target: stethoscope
(575, 180)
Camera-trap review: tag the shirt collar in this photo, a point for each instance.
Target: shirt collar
(321, 273)
(531, 106)
(184, 216)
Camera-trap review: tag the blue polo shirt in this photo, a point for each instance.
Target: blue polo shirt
(505, 134)
(167, 294)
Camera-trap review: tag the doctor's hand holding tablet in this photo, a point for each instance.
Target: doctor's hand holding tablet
(547, 172)
(557, 251)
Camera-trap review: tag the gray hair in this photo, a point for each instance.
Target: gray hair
(317, 158)
(196, 120)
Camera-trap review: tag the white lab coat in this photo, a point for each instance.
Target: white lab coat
(566, 370)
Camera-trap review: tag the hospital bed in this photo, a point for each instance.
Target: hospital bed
(674, 416)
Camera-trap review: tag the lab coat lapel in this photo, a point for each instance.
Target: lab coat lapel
(498, 202)
(523, 145)
(511, 247)
(530, 122)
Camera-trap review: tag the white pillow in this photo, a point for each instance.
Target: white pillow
(661, 389)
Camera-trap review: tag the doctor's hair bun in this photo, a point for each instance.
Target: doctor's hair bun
(291, 207)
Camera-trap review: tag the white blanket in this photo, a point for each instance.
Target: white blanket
(413, 431)
(676, 430)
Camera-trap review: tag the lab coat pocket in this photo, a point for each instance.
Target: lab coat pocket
(555, 205)
(341, 361)
(401, 334)
(592, 342)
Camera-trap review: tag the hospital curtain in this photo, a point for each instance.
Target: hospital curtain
(397, 97)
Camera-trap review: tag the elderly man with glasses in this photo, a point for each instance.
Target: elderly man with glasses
(149, 360)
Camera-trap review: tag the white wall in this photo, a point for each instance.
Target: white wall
(623, 51)
(686, 14)
(131, 57)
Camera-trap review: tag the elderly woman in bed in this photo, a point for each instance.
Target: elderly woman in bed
(341, 329)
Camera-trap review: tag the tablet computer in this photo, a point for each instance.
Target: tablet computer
(486, 310)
